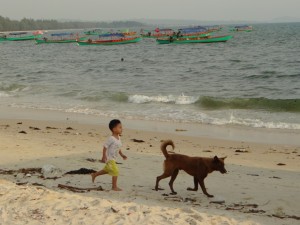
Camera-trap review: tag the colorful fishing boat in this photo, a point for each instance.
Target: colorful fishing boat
(245, 28)
(157, 33)
(60, 38)
(191, 32)
(94, 32)
(209, 39)
(21, 36)
(111, 39)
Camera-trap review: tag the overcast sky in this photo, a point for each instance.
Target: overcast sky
(92, 10)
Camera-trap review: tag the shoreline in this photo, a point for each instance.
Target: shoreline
(260, 186)
(223, 132)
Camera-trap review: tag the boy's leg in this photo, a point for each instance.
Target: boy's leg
(114, 184)
(94, 175)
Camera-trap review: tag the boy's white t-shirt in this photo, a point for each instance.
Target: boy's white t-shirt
(112, 146)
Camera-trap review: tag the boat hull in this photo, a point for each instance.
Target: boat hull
(194, 40)
(135, 40)
(42, 41)
(25, 38)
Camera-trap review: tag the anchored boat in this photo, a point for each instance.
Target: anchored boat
(185, 40)
(245, 28)
(157, 33)
(111, 39)
(21, 36)
(60, 38)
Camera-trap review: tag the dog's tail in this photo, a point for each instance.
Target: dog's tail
(164, 146)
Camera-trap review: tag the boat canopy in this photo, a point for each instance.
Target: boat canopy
(112, 35)
(17, 33)
(197, 29)
(61, 34)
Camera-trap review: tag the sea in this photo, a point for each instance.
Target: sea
(253, 80)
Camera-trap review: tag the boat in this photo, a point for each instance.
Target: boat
(157, 33)
(245, 28)
(94, 32)
(2, 36)
(111, 39)
(194, 32)
(21, 36)
(209, 39)
(60, 38)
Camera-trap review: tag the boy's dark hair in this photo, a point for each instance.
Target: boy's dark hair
(113, 123)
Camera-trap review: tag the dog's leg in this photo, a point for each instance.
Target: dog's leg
(202, 185)
(163, 176)
(196, 184)
(174, 175)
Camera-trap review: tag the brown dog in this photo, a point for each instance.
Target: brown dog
(198, 167)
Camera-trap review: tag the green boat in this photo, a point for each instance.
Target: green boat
(21, 36)
(94, 32)
(111, 39)
(244, 28)
(189, 40)
(60, 38)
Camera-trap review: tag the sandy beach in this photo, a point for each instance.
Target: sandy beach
(261, 186)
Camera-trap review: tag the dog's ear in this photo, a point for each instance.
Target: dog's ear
(216, 159)
(223, 158)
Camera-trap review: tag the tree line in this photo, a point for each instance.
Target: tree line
(7, 24)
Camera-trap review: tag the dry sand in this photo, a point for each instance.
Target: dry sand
(256, 189)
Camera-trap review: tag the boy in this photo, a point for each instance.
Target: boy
(111, 150)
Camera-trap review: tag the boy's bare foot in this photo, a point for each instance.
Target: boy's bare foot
(93, 177)
(116, 189)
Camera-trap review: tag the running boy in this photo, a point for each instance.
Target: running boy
(111, 150)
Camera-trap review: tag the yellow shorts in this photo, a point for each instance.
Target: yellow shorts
(111, 168)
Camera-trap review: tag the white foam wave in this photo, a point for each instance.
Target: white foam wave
(2, 94)
(180, 100)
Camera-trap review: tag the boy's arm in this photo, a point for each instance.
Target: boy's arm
(104, 158)
(123, 156)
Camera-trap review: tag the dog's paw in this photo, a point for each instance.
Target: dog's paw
(173, 193)
(210, 196)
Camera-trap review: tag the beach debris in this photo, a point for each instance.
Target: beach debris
(19, 123)
(206, 150)
(286, 217)
(180, 130)
(137, 140)
(242, 151)
(218, 201)
(51, 128)
(34, 128)
(28, 175)
(33, 184)
(114, 210)
(5, 126)
(50, 171)
(190, 200)
(22, 132)
(81, 171)
(79, 190)
(275, 177)
(281, 164)
(174, 198)
(69, 128)
(92, 160)
(24, 171)
(252, 174)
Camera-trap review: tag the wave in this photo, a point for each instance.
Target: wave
(284, 105)
(12, 88)
(179, 100)
(215, 103)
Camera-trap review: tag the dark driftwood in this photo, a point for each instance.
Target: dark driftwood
(137, 140)
(81, 171)
(79, 190)
(23, 170)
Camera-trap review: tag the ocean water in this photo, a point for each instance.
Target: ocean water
(252, 80)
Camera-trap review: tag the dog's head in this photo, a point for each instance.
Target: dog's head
(218, 164)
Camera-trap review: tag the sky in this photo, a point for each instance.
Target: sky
(104, 10)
